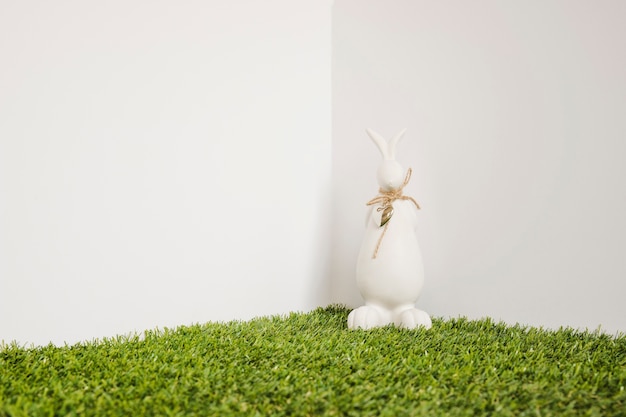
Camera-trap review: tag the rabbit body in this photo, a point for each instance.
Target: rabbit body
(396, 276)
(391, 281)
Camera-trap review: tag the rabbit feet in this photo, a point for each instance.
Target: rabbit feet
(412, 318)
(367, 317)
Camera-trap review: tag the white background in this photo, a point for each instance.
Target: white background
(516, 116)
(161, 163)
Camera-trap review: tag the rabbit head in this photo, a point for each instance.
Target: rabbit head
(390, 174)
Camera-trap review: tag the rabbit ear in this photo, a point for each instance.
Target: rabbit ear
(380, 142)
(393, 142)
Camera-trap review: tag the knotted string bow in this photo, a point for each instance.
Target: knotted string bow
(386, 199)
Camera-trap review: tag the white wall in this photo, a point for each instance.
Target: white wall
(517, 138)
(161, 163)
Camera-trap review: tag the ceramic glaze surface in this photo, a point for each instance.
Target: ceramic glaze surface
(390, 271)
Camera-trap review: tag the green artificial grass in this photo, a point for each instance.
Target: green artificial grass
(310, 364)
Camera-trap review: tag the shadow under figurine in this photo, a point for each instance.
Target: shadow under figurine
(390, 271)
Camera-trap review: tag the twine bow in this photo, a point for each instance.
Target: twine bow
(386, 199)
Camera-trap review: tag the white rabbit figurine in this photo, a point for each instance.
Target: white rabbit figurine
(389, 271)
